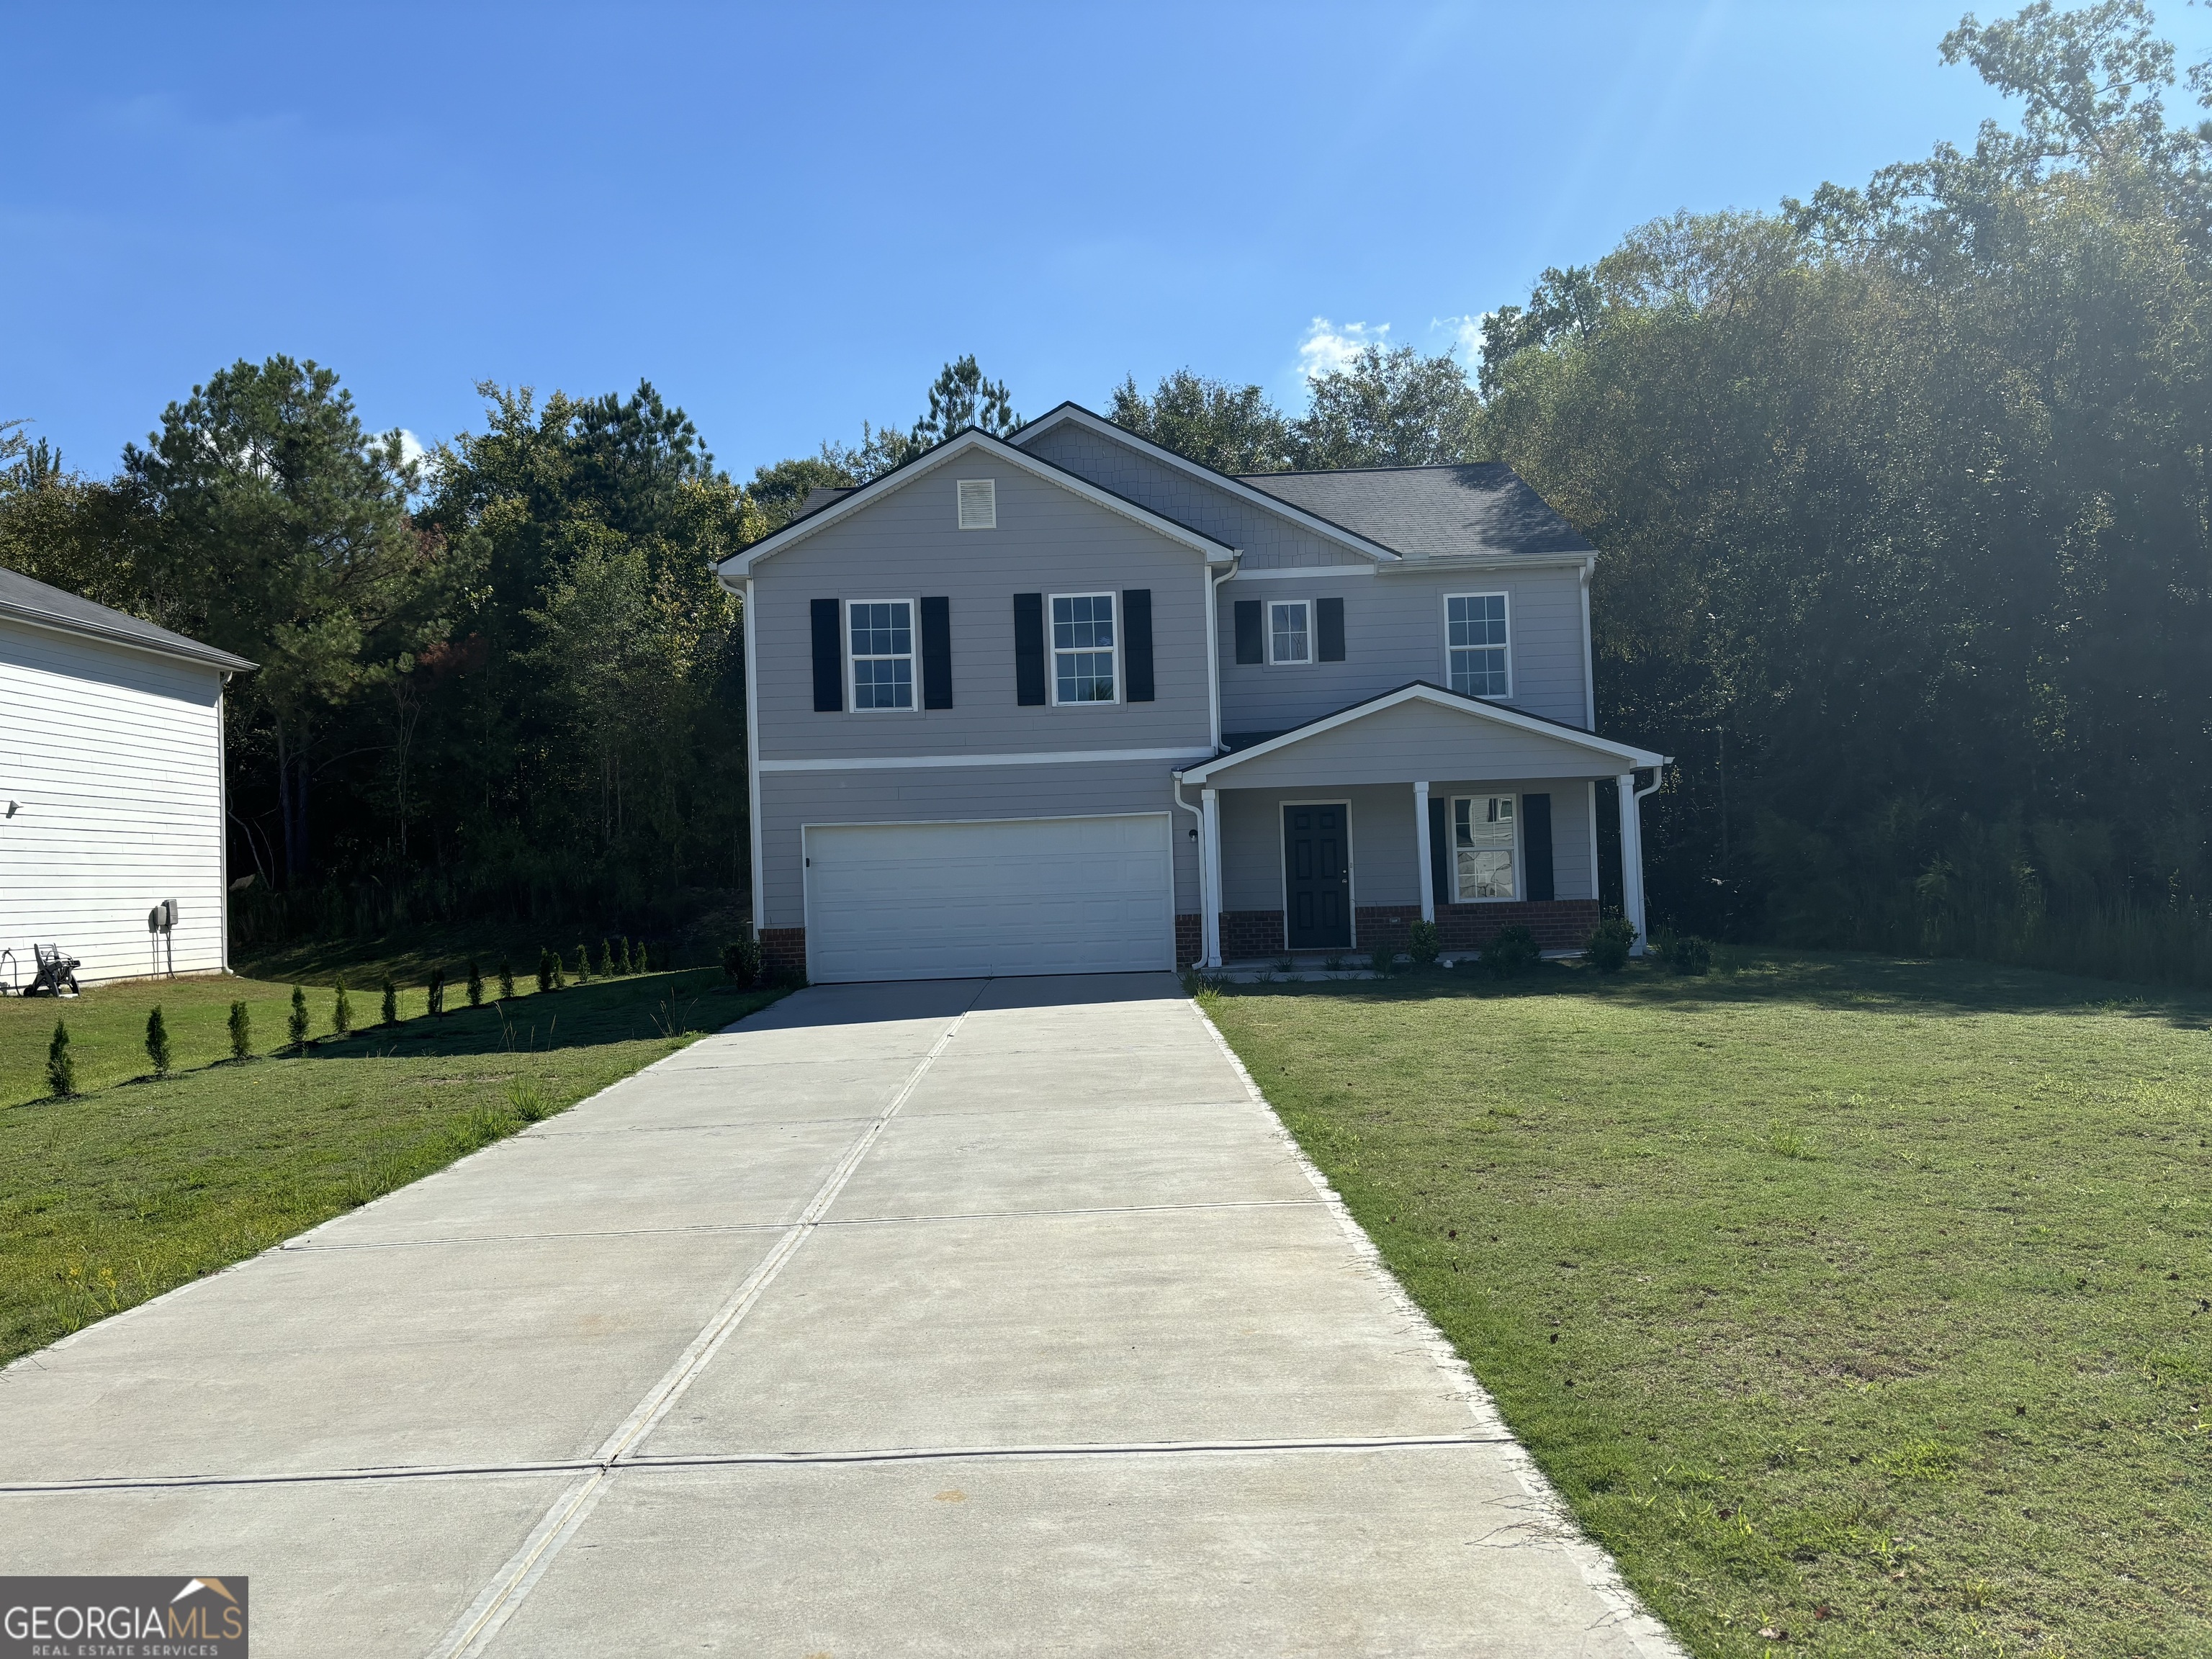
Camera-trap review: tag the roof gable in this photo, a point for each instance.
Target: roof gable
(740, 565)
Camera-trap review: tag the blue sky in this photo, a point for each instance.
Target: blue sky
(789, 217)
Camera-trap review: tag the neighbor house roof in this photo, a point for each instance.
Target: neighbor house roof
(1480, 507)
(24, 599)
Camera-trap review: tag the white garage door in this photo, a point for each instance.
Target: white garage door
(1013, 896)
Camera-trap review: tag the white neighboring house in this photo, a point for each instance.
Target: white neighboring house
(111, 788)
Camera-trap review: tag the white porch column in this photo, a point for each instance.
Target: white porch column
(1631, 858)
(1209, 853)
(1427, 853)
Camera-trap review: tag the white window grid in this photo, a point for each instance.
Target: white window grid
(880, 652)
(1290, 631)
(1477, 644)
(1086, 648)
(1485, 848)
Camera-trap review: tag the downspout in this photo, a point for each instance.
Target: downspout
(1589, 667)
(1213, 649)
(1205, 880)
(1632, 813)
(222, 830)
(752, 763)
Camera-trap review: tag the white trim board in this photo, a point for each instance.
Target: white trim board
(739, 565)
(1421, 691)
(1055, 758)
(1302, 572)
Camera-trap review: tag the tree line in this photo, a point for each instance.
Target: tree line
(1900, 492)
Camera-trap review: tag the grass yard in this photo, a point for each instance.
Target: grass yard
(1858, 1305)
(135, 1186)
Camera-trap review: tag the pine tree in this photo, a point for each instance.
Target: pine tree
(341, 1011)
(298, 1022)
(475, 984)
(61, 1064)
(157, 1041)
(390, 1001)
(549, 969)
(506, 980)
(241, 1031)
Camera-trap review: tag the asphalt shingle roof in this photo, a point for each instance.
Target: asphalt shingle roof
(53, 607)
(1431, 511)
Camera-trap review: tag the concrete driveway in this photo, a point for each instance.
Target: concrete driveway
(969, 1317)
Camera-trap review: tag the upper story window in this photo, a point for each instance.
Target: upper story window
(1083, 647)
(1483, 847)
(881, 636)
(1476, 650)
(1290, 631)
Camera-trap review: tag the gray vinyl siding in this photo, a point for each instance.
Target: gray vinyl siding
(1417, 739)
(1386, 867)
(907, 544)
(1264, 536)
(931, 795)
(114, 757)
(1393, 632)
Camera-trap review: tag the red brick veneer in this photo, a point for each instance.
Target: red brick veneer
(1558, 924)
(1190, 939)
(783, 951)
(1249, 933)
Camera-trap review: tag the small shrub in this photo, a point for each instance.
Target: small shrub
(296, 1024)
(506, 980)
(1382, 960)
(61, 1064)
(390, 1001)
(433, 996)
(741, 960)
(157, 1041)
(1334, 965)
(241, 1031)
(638, 962)
(475, 984)
(1685, 953)
(1512, 951)
(605, 967)
(622, 955)
(1285, 964)
(1427, 945)
(1608, 949)
(549, 968)
(341, 1011)
(560, 973)
(527, 1099)
(583, 966)
(793, 979)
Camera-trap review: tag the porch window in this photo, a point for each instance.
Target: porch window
(881, 636)
(1475, 645)
(1083, 647)
(1290, 631)
(1483, 849)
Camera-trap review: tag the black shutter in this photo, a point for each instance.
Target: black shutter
(937, 654)
(1248, 648)
(1328, 623)
(1536, 842)
(1137, 641)
(1028, 648)
(1440, 852)
(829, 659)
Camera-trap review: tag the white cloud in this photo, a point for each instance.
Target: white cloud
(1466, 335)
(1327, 347)
(410, 447)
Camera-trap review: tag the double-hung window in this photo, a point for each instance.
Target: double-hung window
(880, 633)
(1475, 645)
(1083, 647)
(1483, 849)
(1290, 631)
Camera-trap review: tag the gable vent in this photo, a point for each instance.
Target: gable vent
(979, 504)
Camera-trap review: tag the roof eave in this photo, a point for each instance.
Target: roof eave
(191, 651)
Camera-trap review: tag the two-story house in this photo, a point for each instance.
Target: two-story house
(1071, 702)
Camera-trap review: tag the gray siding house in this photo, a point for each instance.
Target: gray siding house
(1070, 703)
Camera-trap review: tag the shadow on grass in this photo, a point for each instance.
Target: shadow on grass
(1938, 988)
(582, 1016)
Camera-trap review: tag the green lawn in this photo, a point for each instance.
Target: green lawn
(134, 1187)
(1864, 1303)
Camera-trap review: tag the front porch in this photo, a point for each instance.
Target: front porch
(1332, 840)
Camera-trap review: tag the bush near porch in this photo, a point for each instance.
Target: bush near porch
(1862, 1301)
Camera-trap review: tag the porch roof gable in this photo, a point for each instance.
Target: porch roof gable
(1433, 732)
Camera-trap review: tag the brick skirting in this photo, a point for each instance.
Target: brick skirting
(783, 951)
(1249, 933)
(1190, 939)
(1558, 924)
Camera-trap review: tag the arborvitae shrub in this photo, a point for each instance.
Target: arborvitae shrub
(475, 984)
(157, 1041)
(1425, 946)
(241, 1031)
(505, 979)
(549, 969)
(297, 1024)
(390, 1001)
(560, 973)
(583, 966)
(61, 1064)
(435, 997)
(341, 1011)
(606, 963)
(625, 962)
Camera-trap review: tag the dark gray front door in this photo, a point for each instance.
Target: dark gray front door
(1318, 877)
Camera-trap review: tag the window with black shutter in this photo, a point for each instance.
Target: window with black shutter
(1328, 629)
(829, 658)
(1028, 649)
(1251, 632)
(937, 654)
(1137, 644)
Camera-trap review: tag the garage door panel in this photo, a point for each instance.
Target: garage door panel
(1016, 895)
